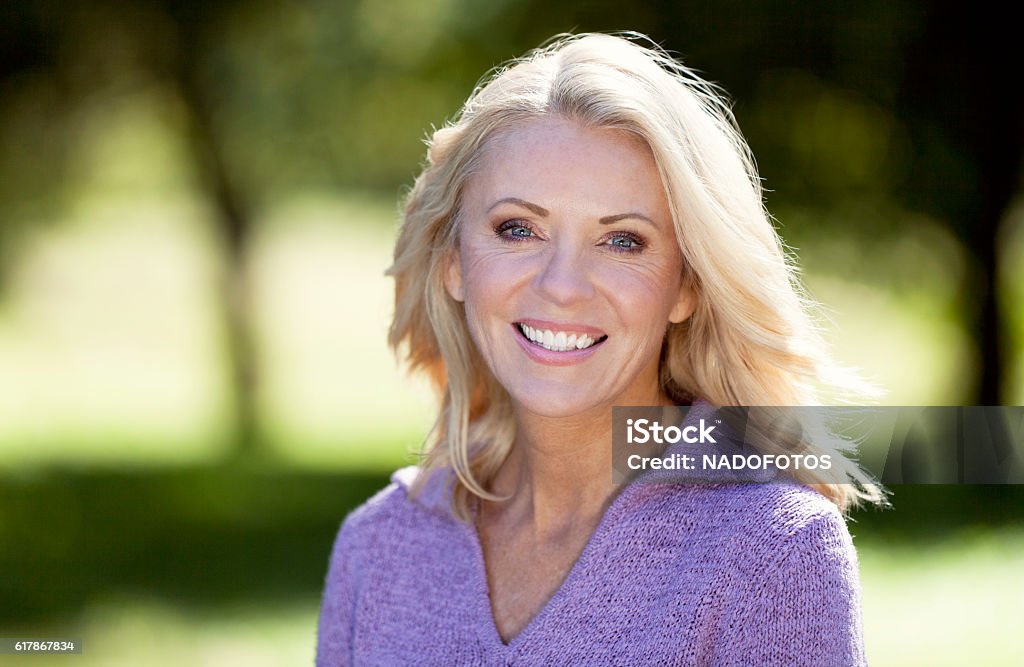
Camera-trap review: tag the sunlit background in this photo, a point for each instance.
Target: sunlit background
(197, 204)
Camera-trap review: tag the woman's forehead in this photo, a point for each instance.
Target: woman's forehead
(553, 157)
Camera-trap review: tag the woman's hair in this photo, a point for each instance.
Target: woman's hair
(752, 340)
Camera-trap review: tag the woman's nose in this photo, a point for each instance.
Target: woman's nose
(564, 275)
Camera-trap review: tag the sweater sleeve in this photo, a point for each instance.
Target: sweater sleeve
(337, 608)
(802, 606)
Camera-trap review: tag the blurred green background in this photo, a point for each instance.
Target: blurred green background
(197, 204)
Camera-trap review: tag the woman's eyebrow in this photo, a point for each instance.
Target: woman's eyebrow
(609, 219)
(539, 210)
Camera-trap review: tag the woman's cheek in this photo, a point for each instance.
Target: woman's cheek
(643, 287)
(499, 273)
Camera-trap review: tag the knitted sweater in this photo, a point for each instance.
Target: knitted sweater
(674, 574)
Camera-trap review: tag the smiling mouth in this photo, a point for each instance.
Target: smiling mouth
(559, 341)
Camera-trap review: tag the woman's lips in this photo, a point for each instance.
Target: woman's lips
(570, 352)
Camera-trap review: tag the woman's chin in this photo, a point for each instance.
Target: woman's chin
(557, 405)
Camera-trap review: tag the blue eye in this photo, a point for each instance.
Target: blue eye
(514, 230)
(626, 242)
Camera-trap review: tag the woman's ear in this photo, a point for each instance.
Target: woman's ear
(453, 275)
(685, 304)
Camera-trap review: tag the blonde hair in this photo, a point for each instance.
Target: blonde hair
(752, 339)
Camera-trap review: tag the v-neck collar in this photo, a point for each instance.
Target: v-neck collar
(481, 587)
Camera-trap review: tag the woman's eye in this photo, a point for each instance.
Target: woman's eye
(514, 230)
(625, 242)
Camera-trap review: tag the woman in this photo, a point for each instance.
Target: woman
(590, 233)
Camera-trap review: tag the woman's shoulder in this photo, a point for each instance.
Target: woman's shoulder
(782, 508)
(380, 549)
(777, 551)
(758, 521)
(779, 562)
(793, 526)
(394, 513)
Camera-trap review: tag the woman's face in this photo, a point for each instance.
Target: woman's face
(568, 267)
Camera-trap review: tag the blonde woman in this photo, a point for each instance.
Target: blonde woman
(589, 232)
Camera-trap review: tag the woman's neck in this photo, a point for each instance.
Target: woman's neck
(560, 469)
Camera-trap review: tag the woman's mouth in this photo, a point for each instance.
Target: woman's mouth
(558, 340)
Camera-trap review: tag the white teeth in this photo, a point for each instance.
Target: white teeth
(561, 341)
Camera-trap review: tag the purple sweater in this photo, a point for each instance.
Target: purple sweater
(701, 574)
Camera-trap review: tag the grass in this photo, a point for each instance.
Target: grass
(137, 631)
(953, 602)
